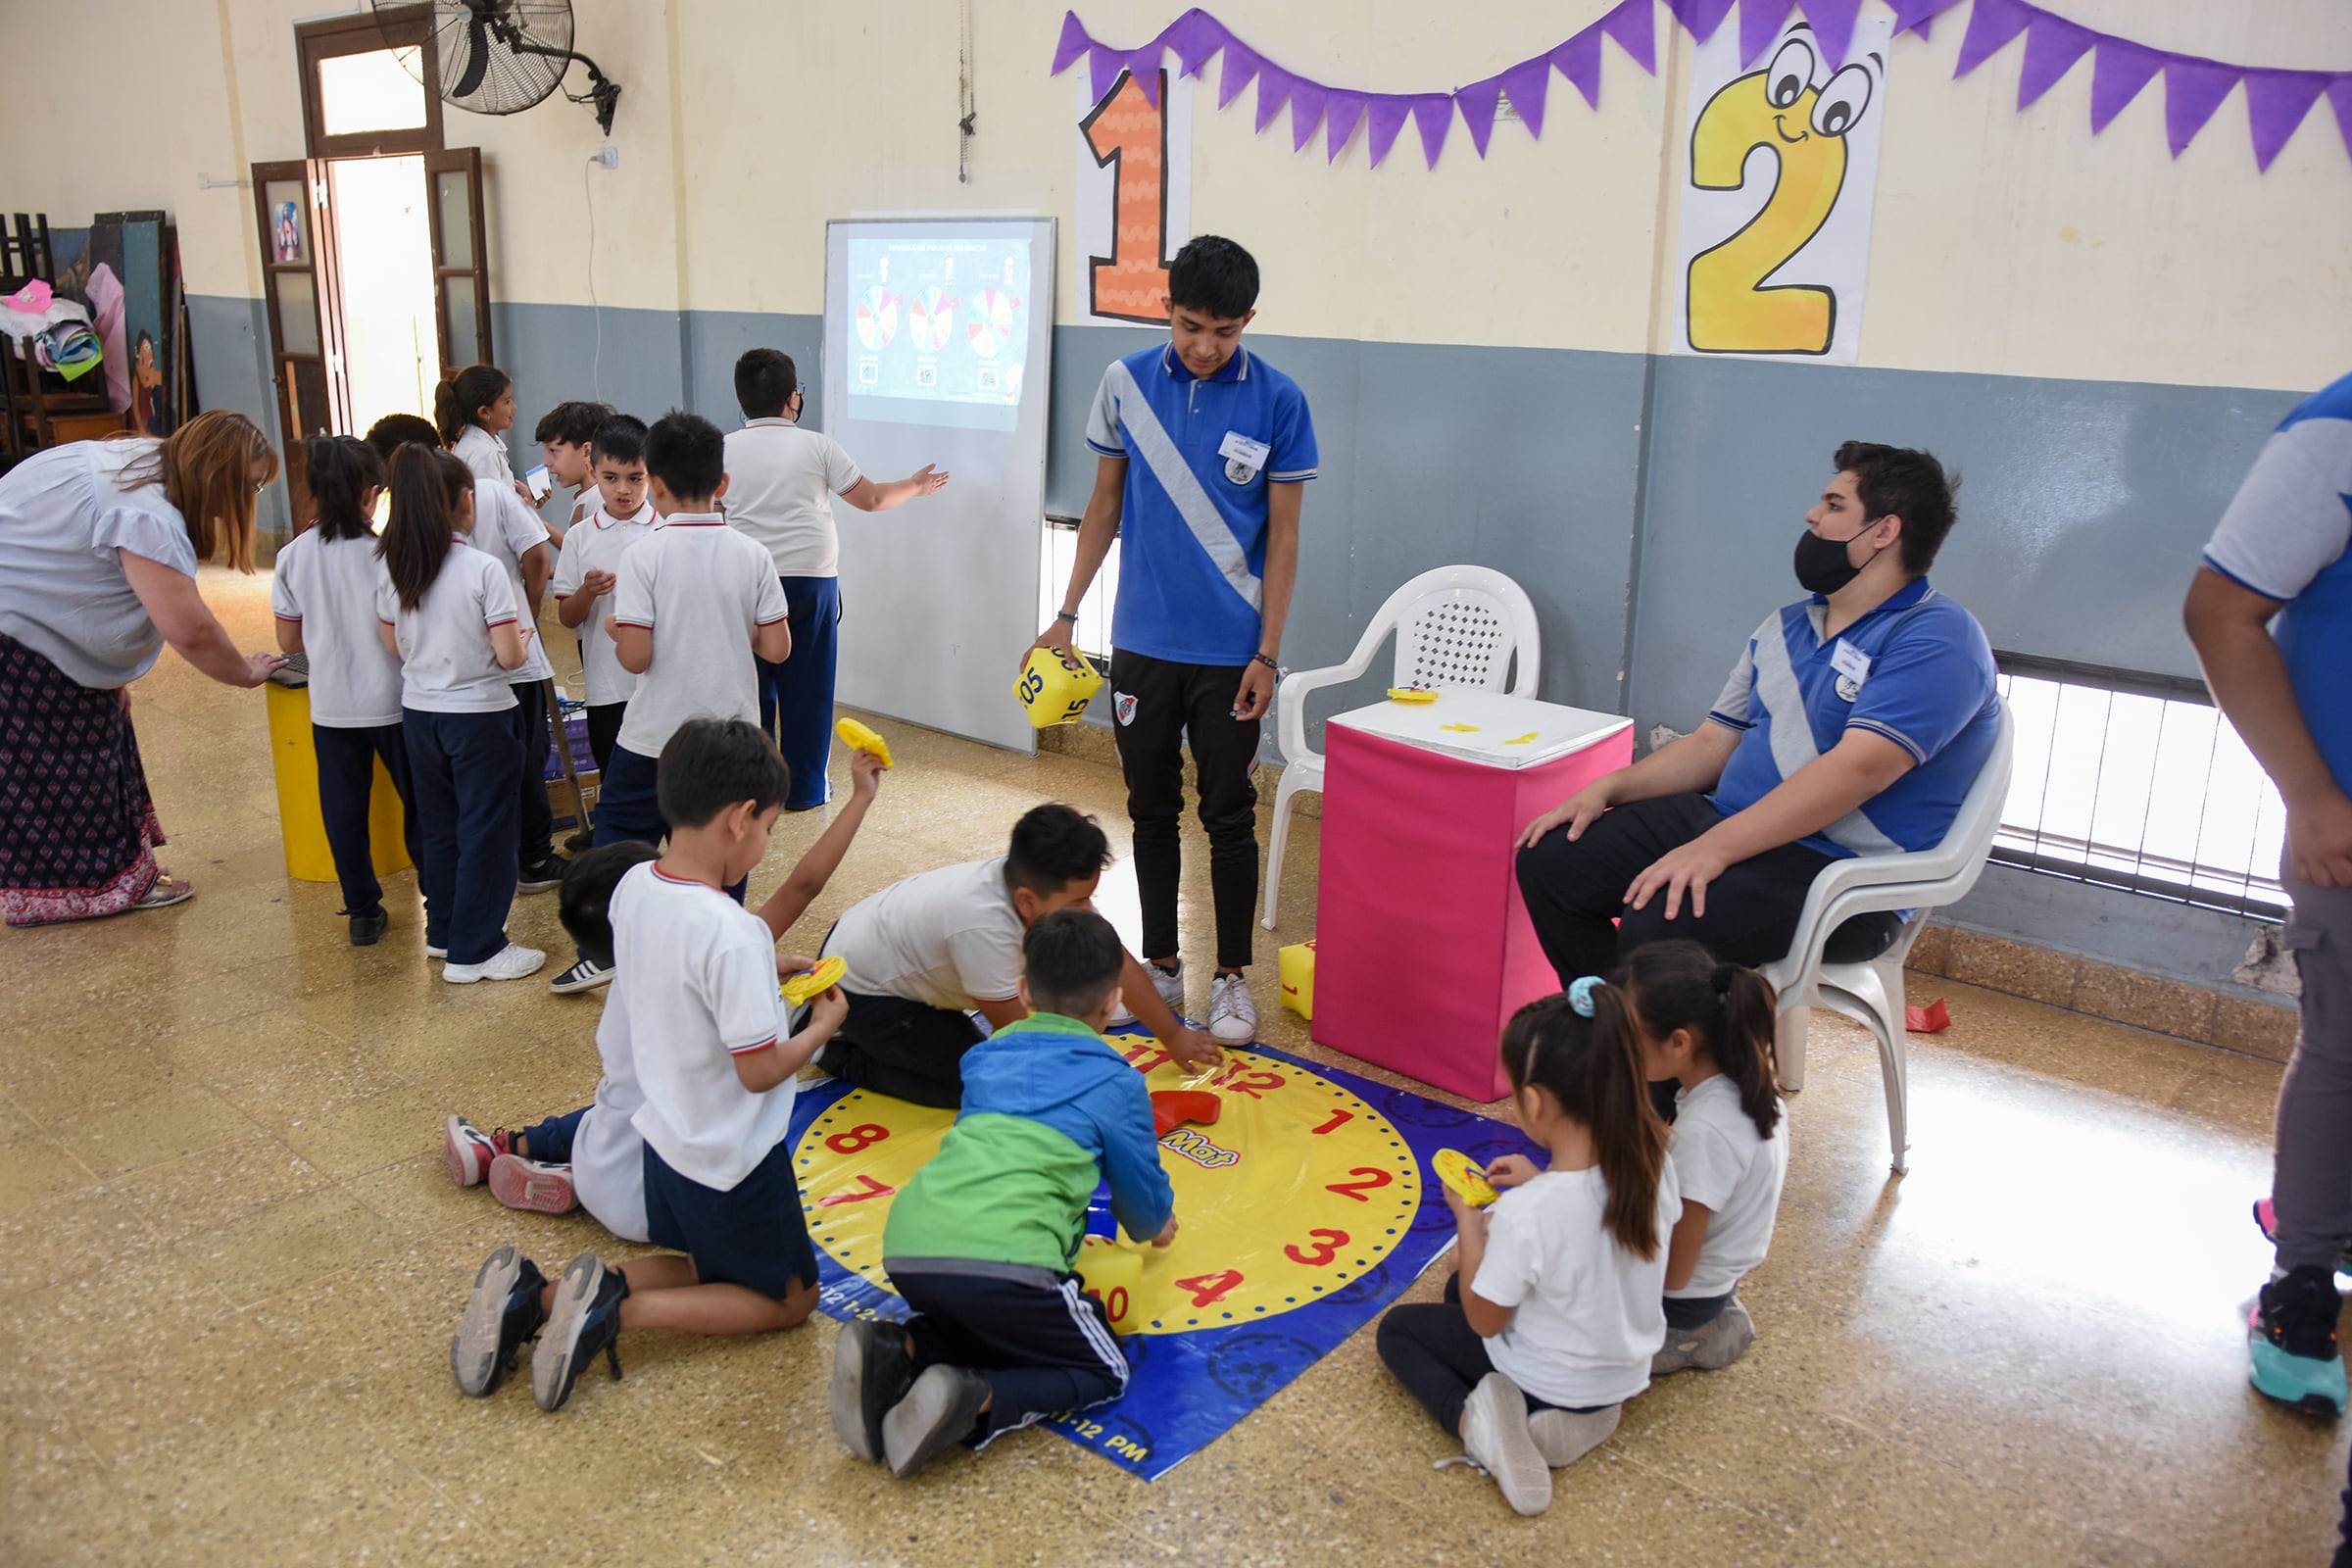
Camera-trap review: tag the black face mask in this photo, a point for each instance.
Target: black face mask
(1821, 564)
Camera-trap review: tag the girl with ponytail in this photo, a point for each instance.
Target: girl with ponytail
(324, 595)
(447, 610)
(474, 409)
(1555, 1308)
(1708, 1028)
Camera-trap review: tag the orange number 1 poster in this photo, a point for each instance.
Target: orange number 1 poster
(1133, 196)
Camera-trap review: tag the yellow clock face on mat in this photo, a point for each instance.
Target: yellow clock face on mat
(1295, 1190)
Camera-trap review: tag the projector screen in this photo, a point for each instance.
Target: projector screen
(938, 346)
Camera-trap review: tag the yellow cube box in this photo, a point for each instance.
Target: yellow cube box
(1298, 978)
(1056, 685)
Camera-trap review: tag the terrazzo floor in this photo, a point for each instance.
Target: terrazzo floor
(230, 1260)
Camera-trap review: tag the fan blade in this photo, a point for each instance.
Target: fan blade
(477, 57)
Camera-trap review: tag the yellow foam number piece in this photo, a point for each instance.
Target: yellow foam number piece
(1463, 729)
(1522, 740)
(1411, 694)
(1459, 1172)
(816, 982)
(858, 738)
(1056, 685)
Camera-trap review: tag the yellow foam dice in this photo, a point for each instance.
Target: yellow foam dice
(1297, 967)
(1056, 685)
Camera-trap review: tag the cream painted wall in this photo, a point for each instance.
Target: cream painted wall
(2007, 243)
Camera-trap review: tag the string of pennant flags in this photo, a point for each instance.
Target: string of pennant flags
(2278, 101)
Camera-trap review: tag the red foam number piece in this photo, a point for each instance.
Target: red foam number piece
(1171, 1109)
(1927, 1020)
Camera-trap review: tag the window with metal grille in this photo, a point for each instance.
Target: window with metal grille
(2136, 781)
(1093, 634)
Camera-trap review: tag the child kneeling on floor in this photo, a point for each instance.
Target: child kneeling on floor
(1565, 1269)
(1708, 1027)
(698, 976)
(980, 1242)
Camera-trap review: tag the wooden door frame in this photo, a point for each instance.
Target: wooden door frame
(366, 32)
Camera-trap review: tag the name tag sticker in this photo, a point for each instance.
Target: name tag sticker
(1238, 447)
(1850, 661)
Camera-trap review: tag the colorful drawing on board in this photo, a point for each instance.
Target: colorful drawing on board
(991, 327)
(1303, 1207)
(878, 318)
(1134, 193)
(289, 232)
(931, 320)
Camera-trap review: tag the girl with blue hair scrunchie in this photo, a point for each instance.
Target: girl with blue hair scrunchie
(1549, 1324)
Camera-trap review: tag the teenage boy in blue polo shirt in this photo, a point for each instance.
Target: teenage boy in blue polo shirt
(1853, 723)
(2271, 615)
(1203, 450)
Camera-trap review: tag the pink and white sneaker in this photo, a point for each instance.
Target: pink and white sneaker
(521, 1182)
(471, 1150)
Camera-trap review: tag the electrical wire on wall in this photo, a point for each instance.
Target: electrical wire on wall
(596, 376)
(964, 93)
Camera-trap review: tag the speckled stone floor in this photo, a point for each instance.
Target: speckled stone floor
(231, 1262)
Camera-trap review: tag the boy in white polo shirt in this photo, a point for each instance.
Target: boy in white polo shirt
(707, 1030)
(781, 483)
(694, 603)
(587, 570)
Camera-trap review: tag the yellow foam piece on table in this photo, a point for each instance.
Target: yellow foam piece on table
(816, 982)
(294, 758)
(1460, 729)
(859, 738)
(1411, 694)
(1522, 740)
(1056, 685)
(1464, 1175)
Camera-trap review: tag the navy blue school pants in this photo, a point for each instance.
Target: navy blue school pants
(1043, 1345)
(549, 1140)
(795, 697)
(346, 784)
(463, 767)
(535, 819)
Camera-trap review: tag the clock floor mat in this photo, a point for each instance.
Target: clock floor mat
(1307, 1208)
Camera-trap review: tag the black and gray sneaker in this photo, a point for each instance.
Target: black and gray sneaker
(585, 975)
(871, 1372)
(585, 1323)
(502, 1313)
(545, 877)
(937, 1413)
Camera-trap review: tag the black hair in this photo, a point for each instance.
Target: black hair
(460, 399)
(339, 470)
(1728, 1008)
(1592, 1069)
(1072, 960)
(573, 423)
(584, 903)
(710, 764)
(1215, 276)
(1913, 486)
(1054, 846)
(764, 382)
(687, 453)
(428, 486)
(393, 431)
(621, 437)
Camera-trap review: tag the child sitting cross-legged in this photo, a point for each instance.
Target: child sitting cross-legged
(697, 974)
(1555, 1306)
(980, 1242)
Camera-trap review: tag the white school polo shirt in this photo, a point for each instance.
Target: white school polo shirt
(1720, 1161)
(64, 513)
(698, 976)
(608, 1153)
(1585, 1318)
(948, 938)
(704, 590)
(781, 481)
(329, 587)
(446, 661)
(486, 455)
(506, 530)
(596, 543)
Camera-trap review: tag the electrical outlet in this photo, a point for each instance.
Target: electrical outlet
(608, 156)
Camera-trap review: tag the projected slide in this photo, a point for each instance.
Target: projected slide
(939, 328)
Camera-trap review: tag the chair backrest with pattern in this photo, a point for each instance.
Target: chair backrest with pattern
(1455, 637)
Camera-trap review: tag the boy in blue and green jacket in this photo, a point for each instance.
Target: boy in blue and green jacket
(980, 1243)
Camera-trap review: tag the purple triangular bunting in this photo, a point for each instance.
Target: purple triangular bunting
(1833, 25)
(2339, 99)
(1274, 86)
(1433, 117)
(1991, 23)
(1759, 23)
(1195, 36)
(1913, 15)
(1700, 18)
(1143, 66)
(2118, 68)
(1579, 60)
(1339, 117)
(2276, 103)
(2052, 47)
(1527, 84)
(1477, 101)
(1241, 66)
(1634, 26)
(1385, 114)
(2193, 88)
(1306, 111)
(1071, 45)
(1104, 66)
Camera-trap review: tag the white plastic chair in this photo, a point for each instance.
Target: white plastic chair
(1872, 994)
(1456, 627)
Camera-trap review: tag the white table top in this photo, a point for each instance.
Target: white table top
(1488, 727)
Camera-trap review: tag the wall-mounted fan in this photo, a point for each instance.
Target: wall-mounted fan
(500, 57)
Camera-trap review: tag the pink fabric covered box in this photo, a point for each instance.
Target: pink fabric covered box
(1423, 949)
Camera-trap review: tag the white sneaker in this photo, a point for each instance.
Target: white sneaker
(432, 951)
(1232, 1015)
(1495, 1436)
(1169, 986)
(514, 961)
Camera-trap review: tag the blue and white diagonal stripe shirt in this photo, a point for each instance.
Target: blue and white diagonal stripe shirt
(1192, 527)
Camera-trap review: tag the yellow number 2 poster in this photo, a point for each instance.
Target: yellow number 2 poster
(1778, 169)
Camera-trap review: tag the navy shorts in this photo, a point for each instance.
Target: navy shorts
(752, 1236)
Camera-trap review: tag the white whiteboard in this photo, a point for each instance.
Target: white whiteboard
(938, 347)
